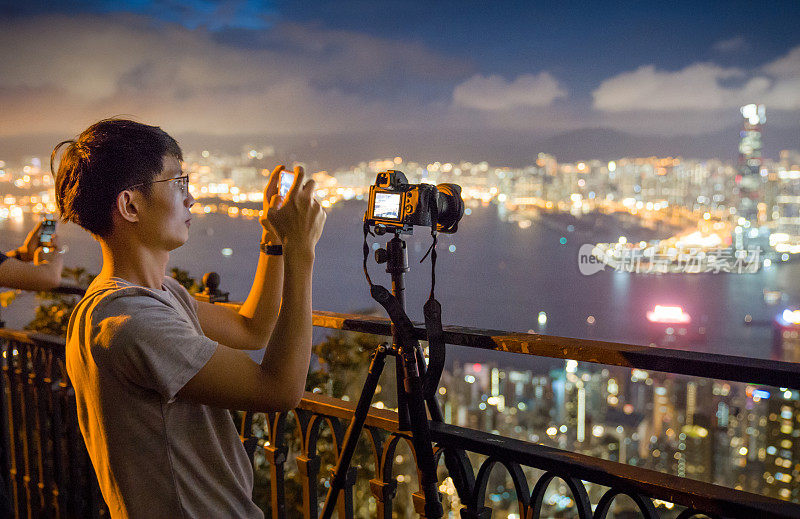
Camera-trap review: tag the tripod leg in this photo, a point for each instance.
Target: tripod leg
(421, 435)
(339, 478)
(458, 465)
(403, 419)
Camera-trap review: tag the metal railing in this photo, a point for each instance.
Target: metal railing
(46, 468)
(48, 473)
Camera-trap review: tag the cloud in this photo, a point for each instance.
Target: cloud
(730, 45)
(703, 87)
(493, 93)
(694, 88)
(60, 73)
(785, 67)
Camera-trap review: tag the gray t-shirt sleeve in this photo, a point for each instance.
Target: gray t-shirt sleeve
(148, 343)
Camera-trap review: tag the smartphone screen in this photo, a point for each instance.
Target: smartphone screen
(48, 228)
(286, 182)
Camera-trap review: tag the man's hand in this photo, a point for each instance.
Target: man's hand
(299, 219)
(50, 254)
(271, 191)
(26, 251)
(44, 274)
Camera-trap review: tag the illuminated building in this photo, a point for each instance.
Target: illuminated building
(749, 180)
(782, 460)
(697, 453)
(786, 206)
(786, 336)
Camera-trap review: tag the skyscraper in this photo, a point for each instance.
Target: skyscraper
(749, 179)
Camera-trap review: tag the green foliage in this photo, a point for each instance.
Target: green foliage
(52, 314)
(7, 297)
(342, 357)
(188, 282)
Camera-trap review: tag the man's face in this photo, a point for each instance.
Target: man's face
(165, 220)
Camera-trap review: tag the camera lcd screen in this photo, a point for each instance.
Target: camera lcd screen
(387, 205)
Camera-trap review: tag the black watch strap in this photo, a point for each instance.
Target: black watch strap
(272, 250)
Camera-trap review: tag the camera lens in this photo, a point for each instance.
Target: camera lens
(451, 207)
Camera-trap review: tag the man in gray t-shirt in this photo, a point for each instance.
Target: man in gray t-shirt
(131, 349)
(155, 371)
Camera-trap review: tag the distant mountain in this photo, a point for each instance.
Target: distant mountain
(498, 147)
(607, 144)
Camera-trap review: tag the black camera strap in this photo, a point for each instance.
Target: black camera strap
(433, 319)
(367, 232)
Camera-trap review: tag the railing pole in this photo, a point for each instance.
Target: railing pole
(8, 497)
(277, 458)
(308, 468)
(384, 492)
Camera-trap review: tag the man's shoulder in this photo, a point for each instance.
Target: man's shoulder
(116, 315)
(175, 288)
(113, 298)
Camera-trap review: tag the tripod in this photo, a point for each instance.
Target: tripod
(410, 366)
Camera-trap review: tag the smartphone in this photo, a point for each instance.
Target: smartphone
(286, 182)
(48, 229)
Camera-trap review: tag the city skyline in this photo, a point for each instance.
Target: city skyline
(731, 434)
(337, 84)
(640, 139)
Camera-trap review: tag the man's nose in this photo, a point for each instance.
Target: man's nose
(189, 201)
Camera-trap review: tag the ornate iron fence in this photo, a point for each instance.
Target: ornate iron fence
(46, 469)
(47, 472)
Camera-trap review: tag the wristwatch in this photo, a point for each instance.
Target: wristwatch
(272, 250)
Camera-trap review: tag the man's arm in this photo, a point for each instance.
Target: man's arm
(230, 378)
(251, 327)
(43, 274)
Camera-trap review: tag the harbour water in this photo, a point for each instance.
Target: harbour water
(491, 274)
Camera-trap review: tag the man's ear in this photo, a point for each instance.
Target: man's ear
(129, 205)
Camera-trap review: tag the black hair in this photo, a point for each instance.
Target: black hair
(108, 157)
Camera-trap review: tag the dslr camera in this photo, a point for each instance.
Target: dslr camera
(395, 205)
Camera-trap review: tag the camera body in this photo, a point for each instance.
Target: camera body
(396, 205)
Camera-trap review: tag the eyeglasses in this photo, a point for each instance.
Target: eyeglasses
(183, 183)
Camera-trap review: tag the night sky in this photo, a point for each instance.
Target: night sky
(347, 81)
